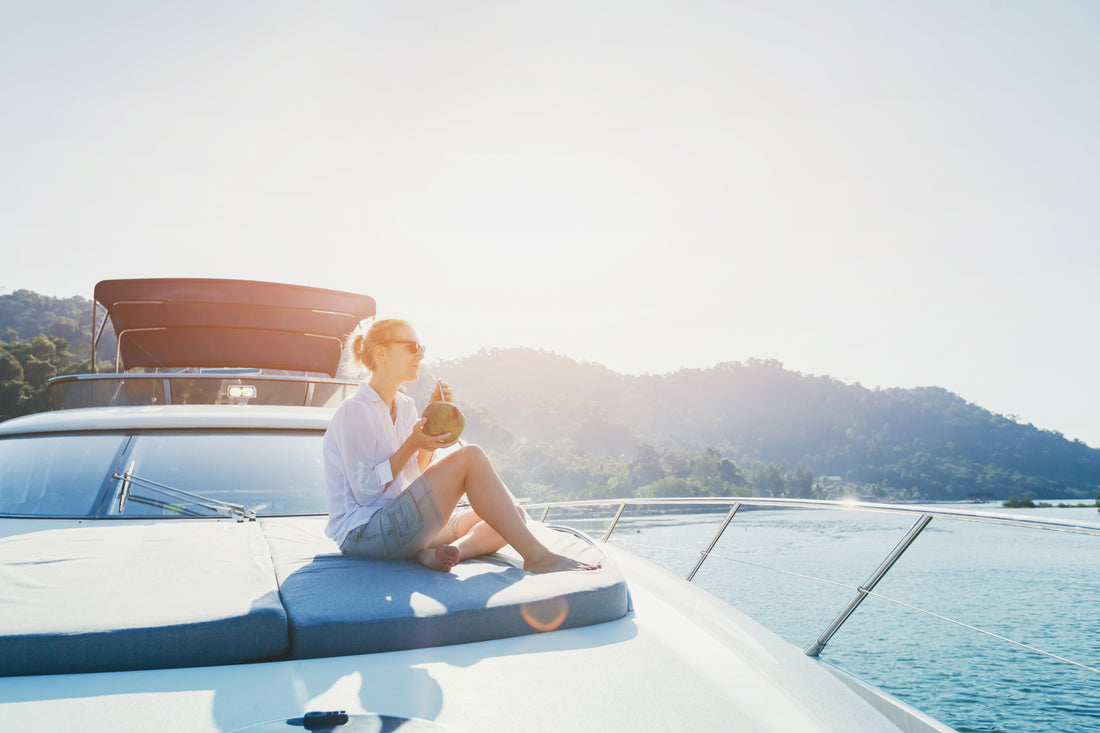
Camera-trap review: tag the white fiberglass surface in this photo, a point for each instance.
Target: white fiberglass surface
(680, 662)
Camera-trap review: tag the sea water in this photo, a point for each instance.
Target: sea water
(976, 586)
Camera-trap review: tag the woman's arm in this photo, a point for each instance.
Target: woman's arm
(424, 459)
(414, 445)
(418, 444)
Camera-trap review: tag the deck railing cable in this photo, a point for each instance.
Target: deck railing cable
(848, 586)
(860, 592)
(986, 632)
(746, 563)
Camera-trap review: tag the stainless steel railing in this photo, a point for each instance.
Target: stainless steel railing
(924, 516)
(197, 388)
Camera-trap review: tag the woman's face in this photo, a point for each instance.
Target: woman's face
(404, 352)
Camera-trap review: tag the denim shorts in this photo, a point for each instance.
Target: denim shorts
(400, 529)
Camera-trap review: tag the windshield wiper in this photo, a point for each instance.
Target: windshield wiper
(224, 508)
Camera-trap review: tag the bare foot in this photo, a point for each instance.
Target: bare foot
(441, 558)
(554, 563)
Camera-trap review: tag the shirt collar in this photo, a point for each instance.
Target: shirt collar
(368, 392)
(371, 396)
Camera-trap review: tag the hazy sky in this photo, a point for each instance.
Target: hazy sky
(890, 193)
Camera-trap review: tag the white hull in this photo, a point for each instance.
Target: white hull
(681, 660)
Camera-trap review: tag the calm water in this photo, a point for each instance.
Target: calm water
(1037, 587)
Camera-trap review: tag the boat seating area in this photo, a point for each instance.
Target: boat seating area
(104, 595)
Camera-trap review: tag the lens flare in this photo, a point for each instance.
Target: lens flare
(545, 615)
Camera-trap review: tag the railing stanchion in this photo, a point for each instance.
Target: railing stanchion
(545, 513)
(861, 592)
(622, 508)
(714, 541)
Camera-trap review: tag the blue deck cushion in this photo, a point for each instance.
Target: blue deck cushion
(347, 605)
(133, 594)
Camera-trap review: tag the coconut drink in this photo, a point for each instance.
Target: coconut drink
(443, 417)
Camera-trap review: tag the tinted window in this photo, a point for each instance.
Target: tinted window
(271, 473)
(55, 475)
(67, 395)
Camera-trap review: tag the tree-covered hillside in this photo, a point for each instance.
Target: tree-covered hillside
(25, 314)
(915, 443)
(42, 337)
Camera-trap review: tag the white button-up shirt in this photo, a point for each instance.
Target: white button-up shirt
(357, 446)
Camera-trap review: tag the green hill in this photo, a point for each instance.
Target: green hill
(25, 314)
(42, 337)
(914, 443)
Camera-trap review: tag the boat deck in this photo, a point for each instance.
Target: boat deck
(672, 663)
(98, 596)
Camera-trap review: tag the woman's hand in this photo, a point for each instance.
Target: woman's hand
(442, 392)
(423, 441)
(418, 445)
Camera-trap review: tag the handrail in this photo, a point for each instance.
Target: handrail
(861, 592)
(714, 540)
(614, 522)
(1092, 528)
(308, 384)
(926, 514)
(227, 374)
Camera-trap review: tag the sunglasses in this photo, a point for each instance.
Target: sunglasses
(415, 346)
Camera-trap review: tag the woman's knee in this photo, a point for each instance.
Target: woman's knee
(472, 454)
(471, 449)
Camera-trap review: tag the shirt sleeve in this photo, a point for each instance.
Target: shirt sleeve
(365, 455)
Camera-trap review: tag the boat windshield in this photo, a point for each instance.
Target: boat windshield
(270, 472)
(56, 475)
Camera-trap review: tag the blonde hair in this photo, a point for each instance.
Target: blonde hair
(360, 344)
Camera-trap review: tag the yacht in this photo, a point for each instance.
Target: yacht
(163, 567)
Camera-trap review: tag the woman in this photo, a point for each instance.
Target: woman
(385, 499)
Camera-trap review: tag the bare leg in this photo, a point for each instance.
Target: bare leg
(466, 538)
(459, 523)
(473, 536)
(468, 471)
(480, 540)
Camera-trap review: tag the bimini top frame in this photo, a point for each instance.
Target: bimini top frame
(178, 323)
